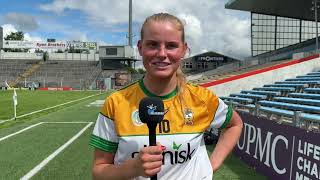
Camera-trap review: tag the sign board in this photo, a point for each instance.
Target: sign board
(279, 151)
(90, 45)
(51, 40)
(210, 58)
(49, 45)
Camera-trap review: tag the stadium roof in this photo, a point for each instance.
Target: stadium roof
(299, 9)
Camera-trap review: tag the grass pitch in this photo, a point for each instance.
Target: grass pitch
(22, 152)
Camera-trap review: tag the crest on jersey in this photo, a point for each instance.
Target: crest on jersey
(135, 118)
(188, 116)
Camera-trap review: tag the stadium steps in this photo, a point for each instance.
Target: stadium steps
(215, 77)
(26, 73)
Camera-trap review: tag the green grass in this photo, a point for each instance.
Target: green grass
(234, 169)
(29, 148)
(29, 101)
(20, 153)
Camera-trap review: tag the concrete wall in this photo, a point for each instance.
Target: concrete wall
(74, 56)
(20, 55)
(52, 56)
(269, 77)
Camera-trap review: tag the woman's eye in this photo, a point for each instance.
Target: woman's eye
(172, 46)
(152, 44)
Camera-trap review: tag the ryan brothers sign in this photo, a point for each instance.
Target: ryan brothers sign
(279, 151)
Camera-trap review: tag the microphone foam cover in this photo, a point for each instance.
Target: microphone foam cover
(151, 110)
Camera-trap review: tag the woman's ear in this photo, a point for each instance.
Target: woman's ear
(186, 50)
(139, 45)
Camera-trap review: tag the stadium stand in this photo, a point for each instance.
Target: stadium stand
(10, 70)
(283, 101)
(217, 75)
(74, 74)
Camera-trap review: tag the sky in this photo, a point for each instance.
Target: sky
(208, 25)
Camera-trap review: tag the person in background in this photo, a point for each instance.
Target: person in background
(121, 139)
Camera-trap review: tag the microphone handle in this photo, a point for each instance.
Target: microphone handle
(152, 136)
(152, 142)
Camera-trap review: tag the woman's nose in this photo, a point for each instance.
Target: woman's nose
(162, 52)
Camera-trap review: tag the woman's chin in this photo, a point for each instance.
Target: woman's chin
(162, 74)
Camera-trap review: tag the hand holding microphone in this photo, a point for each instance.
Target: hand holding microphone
(151, 112)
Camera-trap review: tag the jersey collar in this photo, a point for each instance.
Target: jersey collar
(150, 94)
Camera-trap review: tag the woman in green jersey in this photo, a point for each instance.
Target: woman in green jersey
(121, 140)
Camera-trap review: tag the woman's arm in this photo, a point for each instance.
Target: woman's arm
(226, 142)
(147, 163)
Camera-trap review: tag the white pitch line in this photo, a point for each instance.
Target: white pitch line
(53, 155)
(70, 122)
(18, 132)
(49, 108)
(3, 121)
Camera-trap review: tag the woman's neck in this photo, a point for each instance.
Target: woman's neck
(160, 87)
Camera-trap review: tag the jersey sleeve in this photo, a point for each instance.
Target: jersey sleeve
(104, 135)
(222, 115)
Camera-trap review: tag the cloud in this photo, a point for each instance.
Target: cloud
(77, 36)
(209, 26)
(24, 22)
(9, 28)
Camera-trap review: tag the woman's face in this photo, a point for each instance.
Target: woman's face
(161, 49)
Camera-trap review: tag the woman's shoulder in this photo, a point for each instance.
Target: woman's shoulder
(124, 91)
(201, 93)
(198, 90)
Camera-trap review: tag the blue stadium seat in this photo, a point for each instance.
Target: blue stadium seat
(275, 88)
(273, 93)
(314, 73)
(301, 85)
(288, 113)
(309, 83)
(289, 106)
(304, 79)
(308, 76)
(304, 95)
(297, 82)
(238, 99)
(311, 102)
(256, 97)
(312, 90)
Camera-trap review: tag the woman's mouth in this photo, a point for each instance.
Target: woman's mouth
(160, 64)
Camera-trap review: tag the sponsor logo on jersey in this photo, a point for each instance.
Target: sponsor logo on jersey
(135, 118)
(178, 156)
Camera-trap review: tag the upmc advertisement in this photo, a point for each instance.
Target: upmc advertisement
(279, 151)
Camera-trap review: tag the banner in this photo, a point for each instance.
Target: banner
(49, 45)
(279, 151)
(19, 44)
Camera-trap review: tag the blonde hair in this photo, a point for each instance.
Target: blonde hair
(162, 17)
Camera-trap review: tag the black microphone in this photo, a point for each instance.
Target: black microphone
(151, 112)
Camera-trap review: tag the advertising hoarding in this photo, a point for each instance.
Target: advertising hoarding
(279, 151)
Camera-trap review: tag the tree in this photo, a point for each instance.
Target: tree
(130, 69)
(141, 71)
(15, 36)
